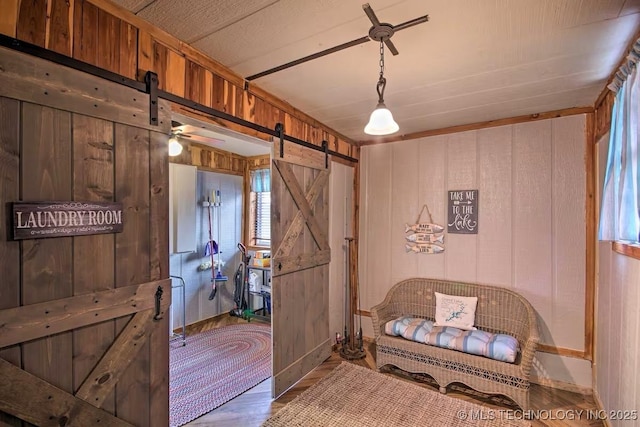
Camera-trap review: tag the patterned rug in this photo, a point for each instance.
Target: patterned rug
(214, 367)
(353, 396)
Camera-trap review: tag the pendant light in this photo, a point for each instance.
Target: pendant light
(381, 121)
(175, 148)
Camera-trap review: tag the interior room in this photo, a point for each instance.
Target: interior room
(239, 213)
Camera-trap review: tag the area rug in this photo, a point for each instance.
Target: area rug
(214, 367)
(351, 396)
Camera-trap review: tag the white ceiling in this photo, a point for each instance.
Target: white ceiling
(475, 60)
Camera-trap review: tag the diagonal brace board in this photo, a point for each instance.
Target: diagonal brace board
(99, 383)
(47, 405)
(298, 197)
(290, 264)
(35, 321)
(295, 228)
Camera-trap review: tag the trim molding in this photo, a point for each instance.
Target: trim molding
(560, 385)
(483, 125)
(591, 241)
(561, 351)
(629, 250)
(600, 406)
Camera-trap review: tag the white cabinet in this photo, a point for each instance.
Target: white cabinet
(182, 208)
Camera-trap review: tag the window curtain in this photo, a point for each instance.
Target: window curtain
(619, 215)
(261, 181)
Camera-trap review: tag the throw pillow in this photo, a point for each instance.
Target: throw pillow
(455, 311)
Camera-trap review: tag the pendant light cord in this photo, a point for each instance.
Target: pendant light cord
(382, 82)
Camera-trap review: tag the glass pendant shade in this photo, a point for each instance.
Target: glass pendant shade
(175, 148)
(381, 122)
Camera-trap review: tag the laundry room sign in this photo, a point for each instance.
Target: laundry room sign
(36, 220)
(463, 212)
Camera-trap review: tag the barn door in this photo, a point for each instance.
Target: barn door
(300, 263)
(84, 337)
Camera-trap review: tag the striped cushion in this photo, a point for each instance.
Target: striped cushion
(411, 328)
(494, 346)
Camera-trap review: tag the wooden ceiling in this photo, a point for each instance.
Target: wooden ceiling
(475, 60)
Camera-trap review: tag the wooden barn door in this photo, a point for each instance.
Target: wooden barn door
(81, 340)
(300, 263)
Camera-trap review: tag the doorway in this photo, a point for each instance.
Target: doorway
(220, 275)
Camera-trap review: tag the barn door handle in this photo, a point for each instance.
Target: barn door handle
(279, 266)
(158, 297)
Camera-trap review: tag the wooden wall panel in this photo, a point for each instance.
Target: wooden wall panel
(9, 250)
(146, 54)
(532, 204)
(375, 235)
(128, 50)
(569, 223)
(93, 256)
(32, 21)
(132, 258)
(85, 29)
(404, 209)
(59, 27)
(603, 115)
(108, 42)
(431, 190)
(47, 263)
(171, 69)
(196, 83)
(9, 17)
(495, 169)
(462, 169)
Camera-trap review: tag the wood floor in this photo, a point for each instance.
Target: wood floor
(254, 406)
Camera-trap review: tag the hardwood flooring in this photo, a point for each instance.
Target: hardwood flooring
(253, 407)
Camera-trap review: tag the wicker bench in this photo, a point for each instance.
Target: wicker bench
(499, 310)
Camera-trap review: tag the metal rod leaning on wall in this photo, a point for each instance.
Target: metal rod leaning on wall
(184, 306)
(49, 55)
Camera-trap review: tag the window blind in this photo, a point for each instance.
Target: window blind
(262, 223)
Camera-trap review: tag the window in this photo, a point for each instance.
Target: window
(261, 232)
(620, 212)
(260, 210)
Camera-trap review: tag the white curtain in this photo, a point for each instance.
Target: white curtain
(620, 212)
(261, 181)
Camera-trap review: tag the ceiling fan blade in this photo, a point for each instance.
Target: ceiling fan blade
(371, 14)
(309, 58)
(391, 46)
(411, 23)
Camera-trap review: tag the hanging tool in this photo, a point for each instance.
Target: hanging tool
(218, 205)
(211, 247)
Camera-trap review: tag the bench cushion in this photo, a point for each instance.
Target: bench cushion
(495, 346)
(500, 347)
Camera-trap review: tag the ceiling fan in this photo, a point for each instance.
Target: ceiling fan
(379, 31)
(194, 133)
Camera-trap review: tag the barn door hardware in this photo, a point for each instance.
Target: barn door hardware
(325, 147)
(144, 87)
(151, 79)
(280, 130)
(158, 298)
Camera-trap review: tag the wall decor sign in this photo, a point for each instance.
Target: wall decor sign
(426, 237)
(463, 212)
(36, 220)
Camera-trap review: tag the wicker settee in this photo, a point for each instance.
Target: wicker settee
(499, 310)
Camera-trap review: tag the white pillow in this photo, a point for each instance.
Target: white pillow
(455, 311)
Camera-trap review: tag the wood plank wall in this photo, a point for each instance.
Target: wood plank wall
(105, 35)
